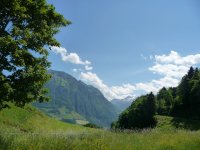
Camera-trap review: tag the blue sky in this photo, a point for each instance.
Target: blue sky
(125, 41)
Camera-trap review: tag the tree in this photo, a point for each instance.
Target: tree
(151, 105)
(191, 73)
(184, 91)
(123, 121)
(139, 115)
(195, 94)
(27, 28)
(188, 95)
(164, 101)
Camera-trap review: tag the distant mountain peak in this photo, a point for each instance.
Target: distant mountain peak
(122, 104)
(129, 98)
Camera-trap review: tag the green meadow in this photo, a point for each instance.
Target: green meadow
(29, 129)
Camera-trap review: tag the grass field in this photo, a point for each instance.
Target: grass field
(27, 128)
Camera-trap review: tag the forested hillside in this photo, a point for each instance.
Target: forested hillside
(74, 101)
(182, 101)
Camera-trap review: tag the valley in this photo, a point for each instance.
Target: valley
(122, 75)
(75, 102)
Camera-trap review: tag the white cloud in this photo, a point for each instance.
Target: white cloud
(147, 87)
(175, 58)
(123, 91)
(88, 67)
(170, 70)
(143, 57)
(75, 70)
(71, 57)
(109, 92)
(165, 81)
(174, 65)
(155, 85)
(171, 67)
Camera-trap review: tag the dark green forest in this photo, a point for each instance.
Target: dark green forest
(182, 101)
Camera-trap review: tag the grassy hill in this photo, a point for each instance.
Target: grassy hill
(167, 122)
(29, 119)
(30, 129)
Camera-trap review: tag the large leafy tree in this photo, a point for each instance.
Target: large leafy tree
(27, 28)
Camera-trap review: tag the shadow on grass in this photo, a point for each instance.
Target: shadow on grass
(189, 124)
(4, 145)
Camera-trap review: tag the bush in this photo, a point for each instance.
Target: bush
(91, 125)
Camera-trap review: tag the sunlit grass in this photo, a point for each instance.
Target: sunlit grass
(28, 129)
(143, 140)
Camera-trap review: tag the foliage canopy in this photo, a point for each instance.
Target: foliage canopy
(27, 28)
(139, 115)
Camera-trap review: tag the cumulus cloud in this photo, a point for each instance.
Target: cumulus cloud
(155, 85)
(110, 93)
(174, 65)
(170, 70)
(70, 57)
(171, 67)
(122, 91)
(176, 59)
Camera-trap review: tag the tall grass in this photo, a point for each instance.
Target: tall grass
(28, 129)
(104, 140)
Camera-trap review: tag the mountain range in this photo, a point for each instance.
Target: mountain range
(76, 102)
(122, 104)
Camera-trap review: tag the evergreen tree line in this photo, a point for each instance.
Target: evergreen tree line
(181, 101)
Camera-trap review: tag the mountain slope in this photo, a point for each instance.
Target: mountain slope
(74, 101)
(122, 104)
